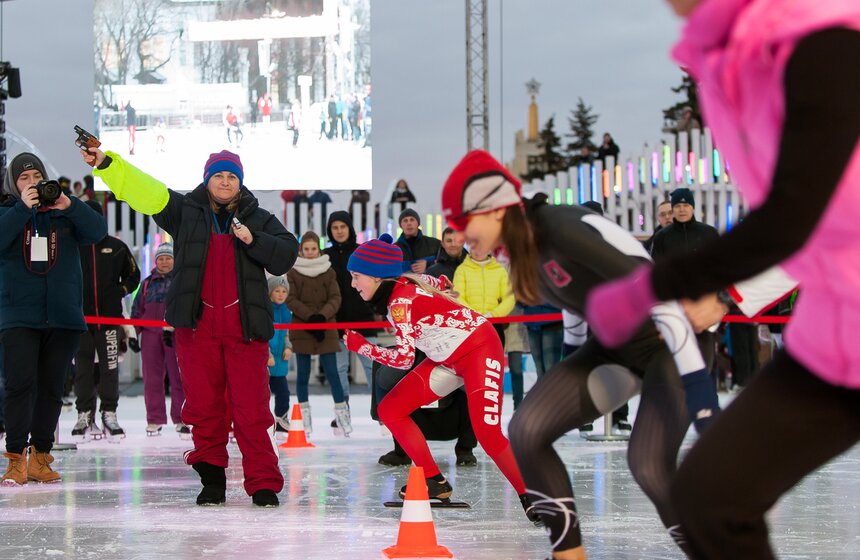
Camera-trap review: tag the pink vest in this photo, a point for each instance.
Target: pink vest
(737, 50)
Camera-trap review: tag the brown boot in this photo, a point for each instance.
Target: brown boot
(16, 472)
(39, 467)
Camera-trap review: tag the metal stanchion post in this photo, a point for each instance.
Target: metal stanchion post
(61, 446)
(607, 434)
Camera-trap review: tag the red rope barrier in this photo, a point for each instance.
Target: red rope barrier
(545, 317)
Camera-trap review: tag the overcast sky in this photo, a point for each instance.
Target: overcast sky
(612, 53)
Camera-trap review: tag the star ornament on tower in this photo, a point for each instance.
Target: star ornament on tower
(533, 87)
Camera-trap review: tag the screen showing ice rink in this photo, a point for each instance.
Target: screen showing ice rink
(283, 83)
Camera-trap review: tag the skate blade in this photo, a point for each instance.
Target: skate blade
(115, 439)
(34, 481)
(9, 483)
(153, 434)
(185, 437)
(434, 503)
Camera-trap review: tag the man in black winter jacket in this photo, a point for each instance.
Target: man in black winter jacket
(451, 254)
(419, 250)
(341, 233)
(686, 235)
(110, 272)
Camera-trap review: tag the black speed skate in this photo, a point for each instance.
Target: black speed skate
(531, 513)
(439, 494)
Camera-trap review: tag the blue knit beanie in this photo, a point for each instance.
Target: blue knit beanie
(379, 258)
(223, 161)
(682, 194)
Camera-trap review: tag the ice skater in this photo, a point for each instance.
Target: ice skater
(770, 80)
(219, 305)
(462, 349)
(557, 254)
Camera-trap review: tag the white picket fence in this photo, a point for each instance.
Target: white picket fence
(630, 191)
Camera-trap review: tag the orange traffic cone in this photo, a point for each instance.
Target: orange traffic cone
(417, 536)
(296, 434)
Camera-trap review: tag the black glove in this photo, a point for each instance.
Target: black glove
(167, 337)
(316, 318)
(319, 335)
(134, 344)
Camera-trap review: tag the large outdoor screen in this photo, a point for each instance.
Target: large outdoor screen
(283, 83)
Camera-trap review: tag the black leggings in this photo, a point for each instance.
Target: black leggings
(577, 391)
(785, 424)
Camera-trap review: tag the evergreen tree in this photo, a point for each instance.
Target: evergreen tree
(550, 160)
(582, 121)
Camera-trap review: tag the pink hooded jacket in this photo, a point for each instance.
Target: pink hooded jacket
(737, 50)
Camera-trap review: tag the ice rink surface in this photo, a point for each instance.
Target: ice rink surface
(135, 500)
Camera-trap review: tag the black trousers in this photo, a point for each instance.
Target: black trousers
(785, 424)
(103, 341)
(744, 352)
(36, 362)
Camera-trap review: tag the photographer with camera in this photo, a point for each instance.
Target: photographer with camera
(41, 314)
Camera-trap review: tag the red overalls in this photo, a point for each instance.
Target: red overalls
(215, 358)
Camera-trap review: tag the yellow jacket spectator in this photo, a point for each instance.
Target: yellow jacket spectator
(483, 285)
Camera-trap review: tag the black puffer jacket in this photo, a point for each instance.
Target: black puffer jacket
(681, 237)
(110, 273)
(352, 307)
(188, 218)
(446, 264)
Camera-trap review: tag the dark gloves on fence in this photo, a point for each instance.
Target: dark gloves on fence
(134, 344)
(316, 318)
(167, 336)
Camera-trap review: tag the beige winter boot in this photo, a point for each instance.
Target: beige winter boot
(16, 472)
(39, 467)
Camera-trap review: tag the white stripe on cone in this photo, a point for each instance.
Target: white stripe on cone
(416, 511)
(297, 426)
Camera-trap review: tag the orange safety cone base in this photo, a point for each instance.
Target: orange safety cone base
(437, 551)
(296, 437)
(417, 538)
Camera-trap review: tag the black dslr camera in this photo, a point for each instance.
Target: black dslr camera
(49, 192)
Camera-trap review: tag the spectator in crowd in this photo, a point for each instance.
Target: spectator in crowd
(483, 285)
(89, 188)
(402, 193)
(608, 149)
(280, 352)
(664, 218)
(687, 123)
(156, 344)
(450, 254)
(332, 116)
(109, 273)
(131, 124)
(232, 124)
(353, 112)
(683, 236)
(545, 338)
(314, 297)
(41, 312)
(224, 244)
(583, 157)
(359, 197)
(78, 189)
(516, 344)
(294, 120)
(319, 197)
(352, 308)
(419, 250)
(264, 105)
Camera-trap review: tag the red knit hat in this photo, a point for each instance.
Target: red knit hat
(478, 184)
